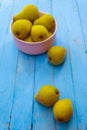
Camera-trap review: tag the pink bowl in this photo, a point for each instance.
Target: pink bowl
(35, 48)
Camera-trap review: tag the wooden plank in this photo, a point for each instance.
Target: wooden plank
(8, 52)
(63, 73)
(21, 117)
(77, 60)
(82, 9)
(79, 75)
(43, 116)
(0, 2)
(45, 6)
(5, 15)
(23, 96)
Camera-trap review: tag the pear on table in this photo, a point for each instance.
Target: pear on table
(47, 95)
(63, 110)
(56, 55)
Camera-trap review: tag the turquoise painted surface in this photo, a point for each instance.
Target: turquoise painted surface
(21, 75)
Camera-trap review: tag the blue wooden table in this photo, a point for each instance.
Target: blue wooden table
(21, 75)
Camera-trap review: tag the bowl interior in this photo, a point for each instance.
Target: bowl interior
(53, 33)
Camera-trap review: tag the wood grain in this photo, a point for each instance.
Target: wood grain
(21, 116)
(21, 75)
(8, 53)
(81, 6)
(42, 116)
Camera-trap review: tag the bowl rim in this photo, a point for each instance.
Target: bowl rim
(34, 43)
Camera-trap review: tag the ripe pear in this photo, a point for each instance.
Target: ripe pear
(49, 34)
(21, 28)
(46, 20)
(29, 12)
(56, 55)
(47, 95)
(63, 110)
(28, 39)
(39, 33)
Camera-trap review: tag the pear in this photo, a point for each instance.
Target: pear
(28, 39)
(47, 95)
(49, 34)
(21, 28)
(63, 110)
(56, 55)
(46, 20)
(39, 33)
(29, 12)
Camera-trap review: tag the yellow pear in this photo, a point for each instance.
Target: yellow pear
(21, 28)
(56, 55)
(39, 33)
(29, 12)
(47, 95)
(49, 34)
(63, 110)
(46, 20)
(28, 39)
